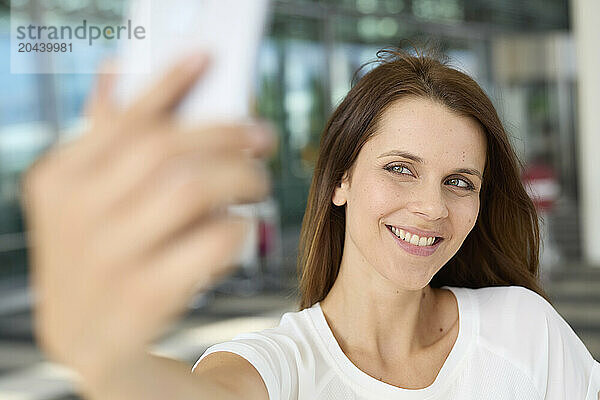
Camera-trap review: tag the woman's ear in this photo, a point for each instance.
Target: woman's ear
(340, 192)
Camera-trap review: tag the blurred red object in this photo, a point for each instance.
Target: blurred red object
(266, 237)
(541, 185)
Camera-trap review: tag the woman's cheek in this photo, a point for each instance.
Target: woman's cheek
(382, 200)
(465, 212)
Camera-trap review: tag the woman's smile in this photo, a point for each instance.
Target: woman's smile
(419, 175)
(414, 244)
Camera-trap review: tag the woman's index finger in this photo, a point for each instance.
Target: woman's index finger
(99, 103)
(164, 94)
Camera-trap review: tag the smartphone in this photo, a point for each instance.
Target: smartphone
(230, 31)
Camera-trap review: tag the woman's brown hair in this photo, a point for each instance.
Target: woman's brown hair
(502, 248)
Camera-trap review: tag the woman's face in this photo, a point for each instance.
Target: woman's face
(420, 171)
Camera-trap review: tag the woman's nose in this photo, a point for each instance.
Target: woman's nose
(429, 202)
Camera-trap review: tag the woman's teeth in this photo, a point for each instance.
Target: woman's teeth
(411, 238)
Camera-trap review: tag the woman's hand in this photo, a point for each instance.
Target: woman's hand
(126, 223)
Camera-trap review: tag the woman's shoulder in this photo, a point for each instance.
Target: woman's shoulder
(276, 352)
(522, 327)
(512, 312)
(499, 295)
(293, 327)
(507, 302)
(283, 341)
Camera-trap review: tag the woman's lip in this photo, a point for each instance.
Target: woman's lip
(416, 231)
(414, 249)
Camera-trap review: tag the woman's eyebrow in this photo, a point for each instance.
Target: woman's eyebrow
(469, 171)
(414, 157)
(402, 153)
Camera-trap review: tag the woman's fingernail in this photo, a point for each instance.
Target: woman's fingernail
(262, 134)
(196, 61)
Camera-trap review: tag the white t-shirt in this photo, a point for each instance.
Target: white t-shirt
(511, 344)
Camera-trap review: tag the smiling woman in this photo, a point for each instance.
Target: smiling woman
(418, 260)
(447, 106)
(417, 195)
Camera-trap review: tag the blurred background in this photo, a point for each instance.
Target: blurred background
(524, 55)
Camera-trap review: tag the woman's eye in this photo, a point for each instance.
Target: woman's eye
(467, 185)
(397, 168)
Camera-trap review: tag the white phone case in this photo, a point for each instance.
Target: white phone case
(230, 31)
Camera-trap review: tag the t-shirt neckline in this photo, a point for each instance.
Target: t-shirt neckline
(468, 320)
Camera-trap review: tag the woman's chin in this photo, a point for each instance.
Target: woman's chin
(407, 281)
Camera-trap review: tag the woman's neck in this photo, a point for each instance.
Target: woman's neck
(370, 315)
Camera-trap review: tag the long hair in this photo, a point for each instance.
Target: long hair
(503, 246)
